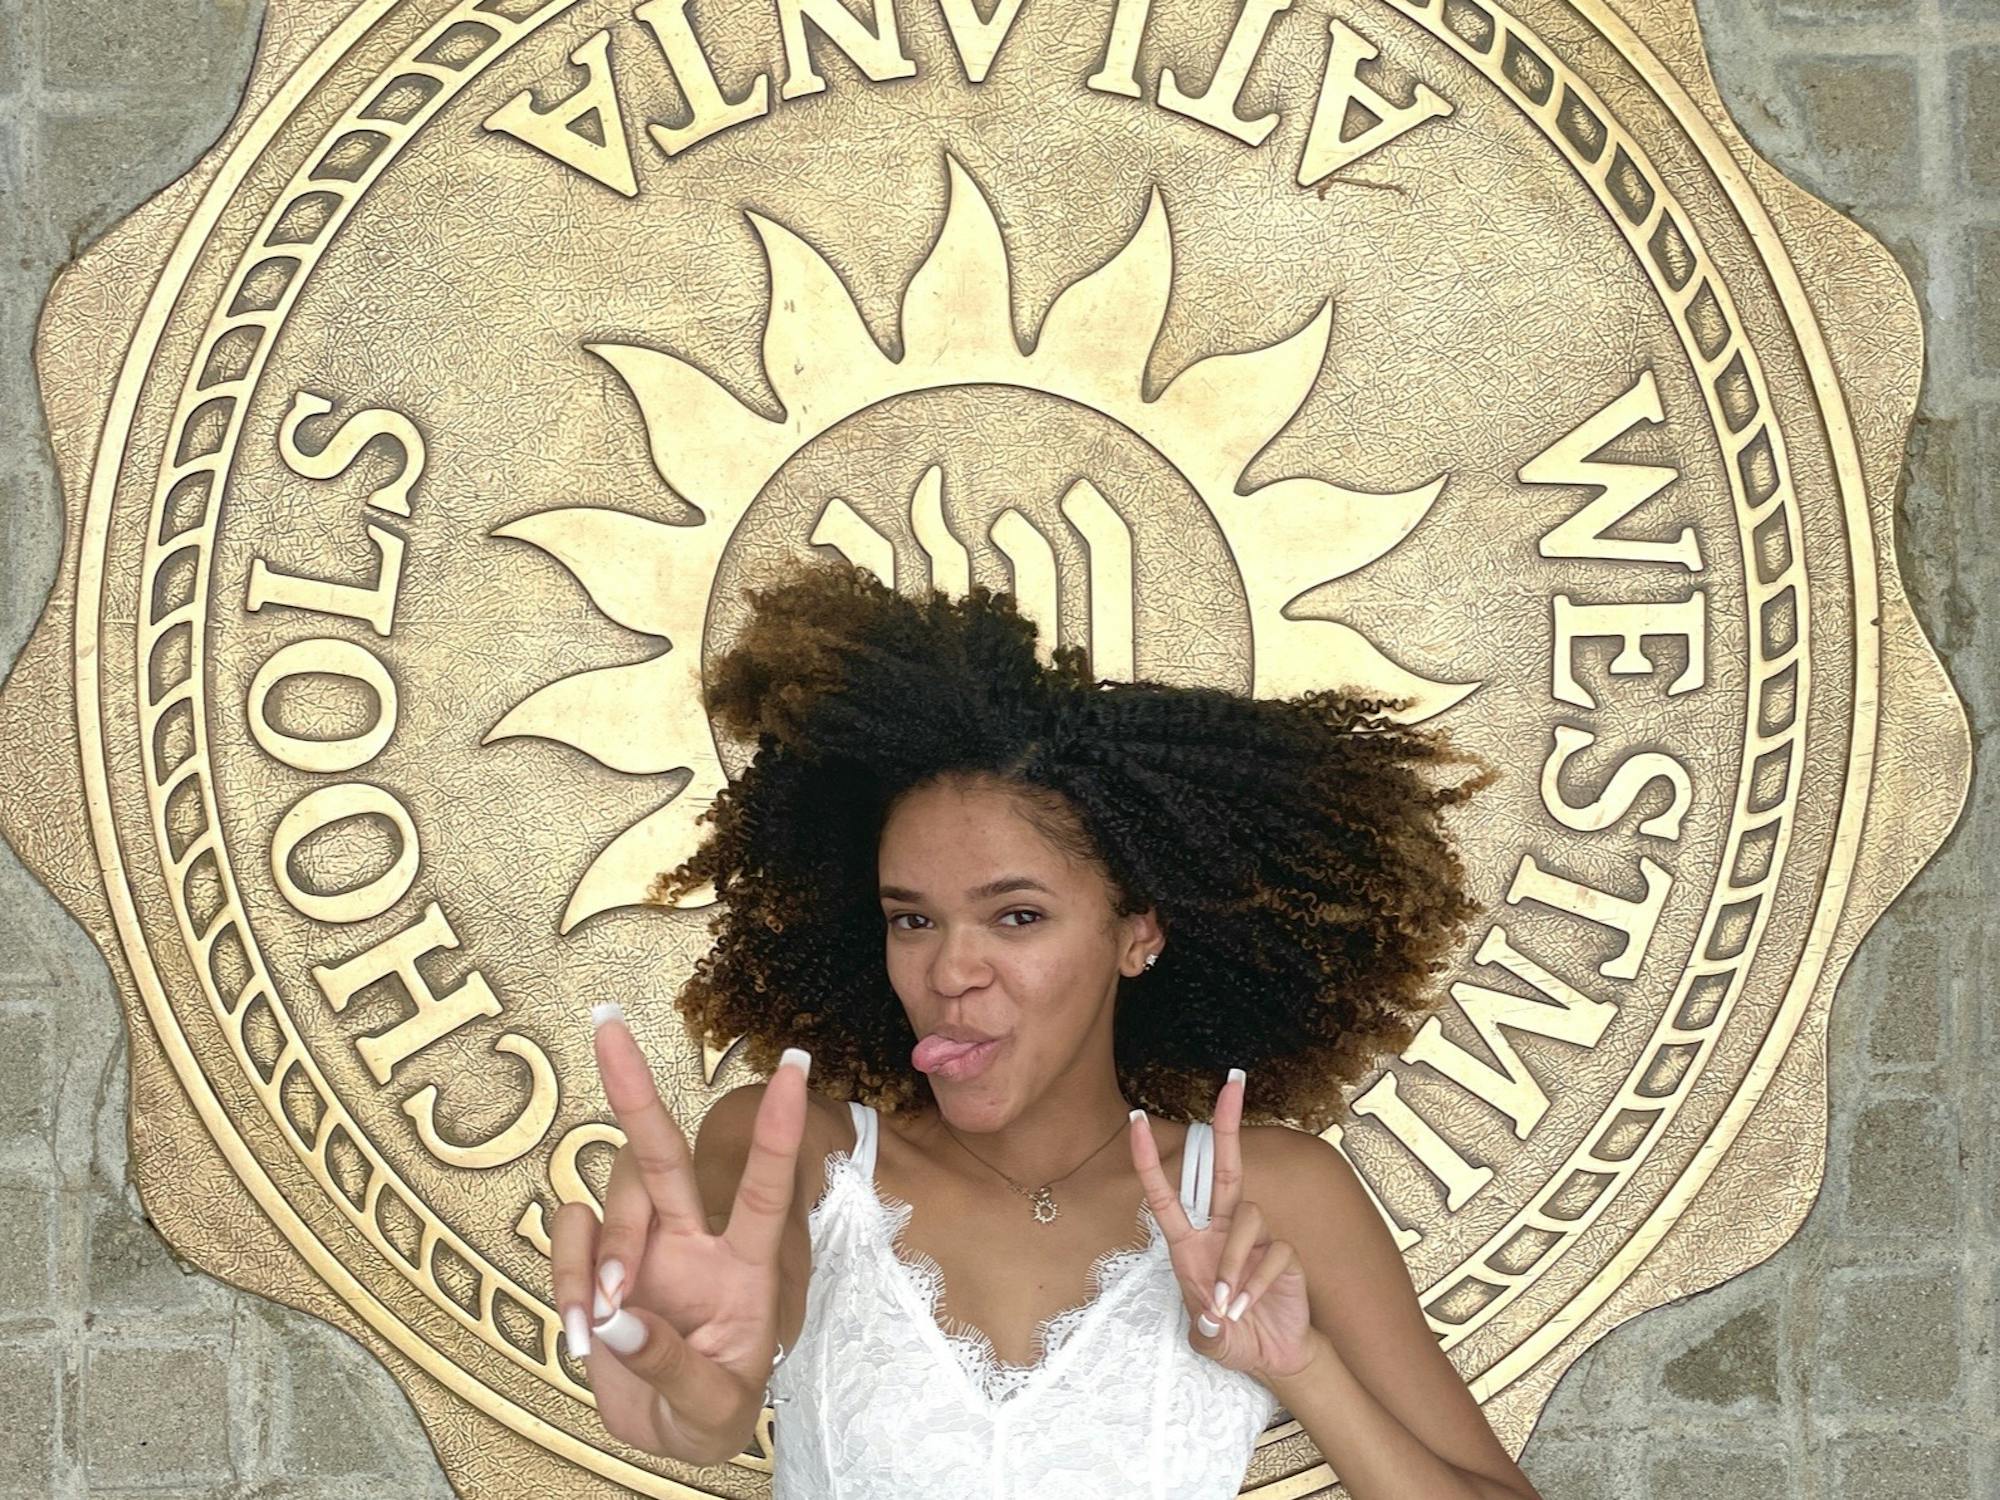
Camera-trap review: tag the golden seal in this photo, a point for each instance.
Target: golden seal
(419, 447)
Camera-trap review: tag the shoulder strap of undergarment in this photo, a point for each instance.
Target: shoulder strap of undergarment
(1197, 1170)
(864, 1137)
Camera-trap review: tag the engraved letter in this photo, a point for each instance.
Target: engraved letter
(1121, 50)
(1622, 487)
(978, 41)
(509, 1144)
(1636, 919)
(1632, 776)
(322, 809)
(432, 1016)
(1460, 1177)
(1341, 87)
(549, 131)
(335, 659)
(708, 111)
(1217, 106)
(567, 1180)
(1511, 1089)
(356, 433)
(876, 53)
(1630, 624)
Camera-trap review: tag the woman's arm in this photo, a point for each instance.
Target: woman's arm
(1375, 1456)
(1380, 1398)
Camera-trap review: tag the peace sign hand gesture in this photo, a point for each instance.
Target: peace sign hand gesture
(1270, 1335)
(686, 1321)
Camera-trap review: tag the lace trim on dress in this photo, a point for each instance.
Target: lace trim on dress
(993, 1377)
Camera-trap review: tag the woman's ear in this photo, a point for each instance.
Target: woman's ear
(1144, 937)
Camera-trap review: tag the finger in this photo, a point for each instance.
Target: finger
(763, 1203)
(666, 1165)
(628, 1219)
(1160, 1198)
(1228, 1166)
(638, 1362)
(1278, 1258)
(1246, 1230)
(572, 1259)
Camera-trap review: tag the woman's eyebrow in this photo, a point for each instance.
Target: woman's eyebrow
(977, 893)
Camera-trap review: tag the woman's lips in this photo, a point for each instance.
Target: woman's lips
(957, 1061)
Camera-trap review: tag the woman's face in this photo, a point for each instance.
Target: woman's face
(992, 928)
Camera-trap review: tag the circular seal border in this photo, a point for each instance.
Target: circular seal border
(1791, 296)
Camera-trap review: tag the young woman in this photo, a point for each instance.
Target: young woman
(1009, 915)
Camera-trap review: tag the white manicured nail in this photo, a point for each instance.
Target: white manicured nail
(600, 1305)
(577, 1327)
(1137, 1114)
(1237, 1075)
(606, 1010)
(797, 1057)
(1236, 1308)
(611, 1276)
(623, 1332)
(1221, 1296)
(1208, 1325)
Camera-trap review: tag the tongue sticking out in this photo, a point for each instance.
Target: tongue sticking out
(933, 1051)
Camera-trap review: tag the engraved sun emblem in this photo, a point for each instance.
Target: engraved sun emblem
(1286, 537)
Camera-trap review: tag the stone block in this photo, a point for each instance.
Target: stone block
(1820, 13)
(1734, 1365)
(342, 1408)
(156, 1415)
(193, 47)
(134, 1275)
(24, 1082)
(1569, 1468)
(27, 1260)
(1976, 89)
(1902, 1169)
(1983, 252)
(1861, 128)
(1679, 1470)
(1890, 1340)
(28, 1378)
(1892, 1467)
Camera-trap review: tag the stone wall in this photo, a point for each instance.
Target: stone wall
(1857, 1362)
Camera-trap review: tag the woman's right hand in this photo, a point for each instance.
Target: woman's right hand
(686, 1326)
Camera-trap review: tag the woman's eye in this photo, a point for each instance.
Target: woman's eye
(1022, 912)
(899, 917)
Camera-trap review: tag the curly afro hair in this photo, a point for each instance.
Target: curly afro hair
(1289, 847)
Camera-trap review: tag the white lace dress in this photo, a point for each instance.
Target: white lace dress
(877, 1401)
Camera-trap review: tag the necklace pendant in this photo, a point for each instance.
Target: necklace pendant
(1045, 1205)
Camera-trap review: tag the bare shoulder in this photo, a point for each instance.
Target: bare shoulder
(1304, 1184)
(722, 1144)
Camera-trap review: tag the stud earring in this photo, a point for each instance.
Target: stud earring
(1151, 959)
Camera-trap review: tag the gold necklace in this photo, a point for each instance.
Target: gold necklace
(1040, 1200)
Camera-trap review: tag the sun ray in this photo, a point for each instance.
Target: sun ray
(624, 872)
(1103, 327)
(638, 571)
(612, 714)
(712, 450)
(958, 309)
(1239, 402)
(1319, 654)
(1295, 534)
(818, 353)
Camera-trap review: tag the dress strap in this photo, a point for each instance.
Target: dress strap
(1197, 1170)
(864, 1137)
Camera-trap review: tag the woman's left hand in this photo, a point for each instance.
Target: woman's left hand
(1271, 1337)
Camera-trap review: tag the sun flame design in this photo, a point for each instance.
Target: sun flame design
(957, 329)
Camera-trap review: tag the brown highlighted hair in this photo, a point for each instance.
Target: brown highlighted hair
(1294, 852)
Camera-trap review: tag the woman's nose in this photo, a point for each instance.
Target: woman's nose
(959, 963)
